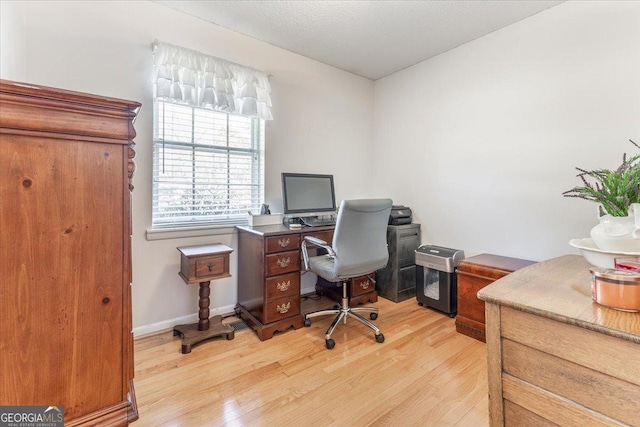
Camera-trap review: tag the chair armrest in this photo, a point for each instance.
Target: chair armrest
(321, 243)
(318, 242)
(315, 241)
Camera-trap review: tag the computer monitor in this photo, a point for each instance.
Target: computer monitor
(308, 193)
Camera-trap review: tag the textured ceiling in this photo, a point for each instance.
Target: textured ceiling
(368, 38)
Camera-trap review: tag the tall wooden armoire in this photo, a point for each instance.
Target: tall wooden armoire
(66, 165)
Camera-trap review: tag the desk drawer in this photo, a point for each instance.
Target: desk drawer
(326, 235)
(283, 262)
(281, 286)
(281, 308)
(361, 285)
(287, 242)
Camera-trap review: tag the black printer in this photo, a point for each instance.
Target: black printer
(400, 215)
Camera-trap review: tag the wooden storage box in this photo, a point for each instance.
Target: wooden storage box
(474, 274)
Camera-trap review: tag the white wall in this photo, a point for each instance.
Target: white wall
(323, 116)
(482, 140)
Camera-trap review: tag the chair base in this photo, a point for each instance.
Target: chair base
(342, 312)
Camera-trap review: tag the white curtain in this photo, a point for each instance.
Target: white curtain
(199, 80)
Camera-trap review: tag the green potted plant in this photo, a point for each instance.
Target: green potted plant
(617, 193)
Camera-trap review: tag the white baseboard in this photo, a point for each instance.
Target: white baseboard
(308, 286)
(165, 325)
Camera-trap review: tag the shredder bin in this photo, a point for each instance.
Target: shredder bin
(436, 285)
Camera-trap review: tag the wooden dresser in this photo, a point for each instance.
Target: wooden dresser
(473, 274)
(554, 356)
(269, 264)
(66, 164)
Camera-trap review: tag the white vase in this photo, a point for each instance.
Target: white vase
(618, 233)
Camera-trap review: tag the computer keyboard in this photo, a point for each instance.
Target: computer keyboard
(318, 222)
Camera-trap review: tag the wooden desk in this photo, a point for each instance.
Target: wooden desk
(554, 356)
(269, 263)
(201, 264)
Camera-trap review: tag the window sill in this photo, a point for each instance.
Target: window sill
(182, 232)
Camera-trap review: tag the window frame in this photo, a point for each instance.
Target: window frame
(229, 215)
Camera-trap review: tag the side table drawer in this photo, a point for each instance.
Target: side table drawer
(281, 308)
(281, 286)
(288, 242)
(283, 262)
(210, 266)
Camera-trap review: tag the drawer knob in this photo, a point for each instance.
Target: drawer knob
(284, 262)
(210, 266)
(365, 284)
(283, 243)
(283, 308)
(284, 285)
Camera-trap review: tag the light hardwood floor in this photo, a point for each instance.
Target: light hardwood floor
(424, 374)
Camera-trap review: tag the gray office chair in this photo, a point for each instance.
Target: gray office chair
(359, 248)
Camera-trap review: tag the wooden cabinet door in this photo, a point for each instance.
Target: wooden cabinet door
(61, 273)
(66, 163)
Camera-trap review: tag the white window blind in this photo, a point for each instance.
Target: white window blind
(208, 166)
(208, 138)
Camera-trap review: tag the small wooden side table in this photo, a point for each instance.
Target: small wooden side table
(201, 264)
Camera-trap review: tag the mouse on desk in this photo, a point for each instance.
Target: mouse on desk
(295, 226)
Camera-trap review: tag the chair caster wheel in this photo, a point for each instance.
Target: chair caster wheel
(307, 322)
(373, 316)
(380, 338)
(452, 315)
(331, 343)
(420, 304)
(336, 307)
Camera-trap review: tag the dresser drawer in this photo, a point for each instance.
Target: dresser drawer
(281, 308)
(361, 285)
(598, 352)
(553, 377)
(280, 286)
(283, 262)
(287, 242)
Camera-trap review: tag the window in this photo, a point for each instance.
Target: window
(208, 166)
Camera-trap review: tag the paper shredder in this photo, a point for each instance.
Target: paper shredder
(436, 285)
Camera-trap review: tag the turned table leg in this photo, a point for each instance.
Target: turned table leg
(203, 313)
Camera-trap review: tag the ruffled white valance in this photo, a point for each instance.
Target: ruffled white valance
(200, 80)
